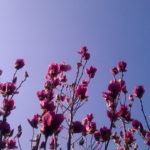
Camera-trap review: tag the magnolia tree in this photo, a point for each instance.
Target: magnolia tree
(60, 100)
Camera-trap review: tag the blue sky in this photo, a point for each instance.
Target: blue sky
(49, 31)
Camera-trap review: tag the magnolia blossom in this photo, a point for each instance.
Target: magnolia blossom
(53, 70)
(90, 127)
(77, 127)
(11, 144)
(5, 128)
(84, 53)
(131, 97)
(48, 105)
(124, 112)
(114, 87)
(81, 92)
(114, 71)
(121, 66)
(129, 137)
(64, 67)
(105, 134)
(112, 115)
(7, 89)
(91, 71)
(137, 125)
(34, 121)
(51, 122)
(19, 63)
(90, 117)
(139, 91)
(41, 94)
(8, 104)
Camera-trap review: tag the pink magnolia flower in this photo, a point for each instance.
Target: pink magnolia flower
(108, 96)
(131, 97)
(19, 63)
(129, 137)
(48, 85)
(53, 71)
(124, 112)
(139, 91)
(11, 144)
(81, 92)
(105, 134)
(84, 53)
(83, 50)
(7, 89)
(51, 122)
(41, 94)
(85, 121)
(90, 116)
(136, 125)
(56, 82)
(77, 127)
(114, 87)
(64, 67)
(114, 71)
(90, 127)
(112, 115)
(8, 104)
(51, 84)
(45, 94)
(91, 71)
(47, 105)
(121, 66)
(34, 121)
(5, 128)
(86, 56)
(84, 83)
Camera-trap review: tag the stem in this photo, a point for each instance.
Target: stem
(124, 128)
(14, 75)
(45, 142)
(69, 131)
(18, 87)
(142, 109)
(19, 144)
(38, 141)
(32, 138)
(55, 142)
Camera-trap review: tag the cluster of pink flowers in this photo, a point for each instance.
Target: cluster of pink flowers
(49, 121)
(60, 100)
(119, 111)
(7, 91)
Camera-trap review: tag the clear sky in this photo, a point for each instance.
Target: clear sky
(48, 31)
